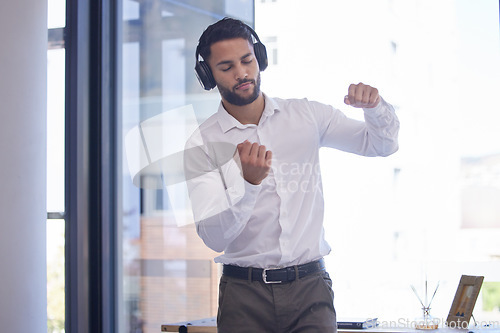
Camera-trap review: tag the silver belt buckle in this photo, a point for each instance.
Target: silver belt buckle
(264, 275)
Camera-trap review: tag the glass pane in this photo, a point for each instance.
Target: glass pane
(55, 172)
(431, 210)
(168, 273)
(55, 276)
(56, 13)
(55, 129)
(426, 213)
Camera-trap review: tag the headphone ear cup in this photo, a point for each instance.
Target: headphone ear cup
(204, 75)
(261, 55)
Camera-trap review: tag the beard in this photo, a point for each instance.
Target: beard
(232, 97)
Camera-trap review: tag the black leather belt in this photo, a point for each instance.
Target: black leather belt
(274, 275)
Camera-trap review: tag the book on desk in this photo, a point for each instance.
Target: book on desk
(357, 323)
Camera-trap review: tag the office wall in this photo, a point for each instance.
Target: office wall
(23, 41)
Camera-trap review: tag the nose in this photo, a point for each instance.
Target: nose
(240, 73)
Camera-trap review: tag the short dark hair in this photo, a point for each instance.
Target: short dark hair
(227, 28)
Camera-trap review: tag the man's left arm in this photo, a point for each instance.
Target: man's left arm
(376, 136)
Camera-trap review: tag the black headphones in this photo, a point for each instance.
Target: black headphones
(204, 74)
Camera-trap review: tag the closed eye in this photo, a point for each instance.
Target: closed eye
(246, 62)
(247, 58)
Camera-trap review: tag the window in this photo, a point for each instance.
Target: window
(428, 212)
(392, 222)
(271, 44)
(55, 167)
(168, 274)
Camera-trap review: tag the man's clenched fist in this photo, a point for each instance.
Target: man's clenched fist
(362, 96)
(255, 161)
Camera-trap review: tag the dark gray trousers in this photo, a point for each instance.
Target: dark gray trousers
(304, 305)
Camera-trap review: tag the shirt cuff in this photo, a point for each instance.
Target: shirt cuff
(252, 189)
(377, 110)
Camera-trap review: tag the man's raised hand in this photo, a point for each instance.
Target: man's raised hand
(255, 161)
(362, 96)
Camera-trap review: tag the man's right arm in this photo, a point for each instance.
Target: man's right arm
(222, 200)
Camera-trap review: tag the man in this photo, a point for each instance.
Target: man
(263, 207)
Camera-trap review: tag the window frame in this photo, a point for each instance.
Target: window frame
(91, 155)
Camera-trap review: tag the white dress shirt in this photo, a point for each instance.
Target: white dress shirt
(278, 223)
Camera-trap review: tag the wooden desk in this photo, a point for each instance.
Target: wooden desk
(209, 325)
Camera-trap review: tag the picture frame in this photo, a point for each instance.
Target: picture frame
(464, 301)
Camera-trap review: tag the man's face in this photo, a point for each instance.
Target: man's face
(235, 71)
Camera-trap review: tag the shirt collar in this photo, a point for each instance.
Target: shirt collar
(227, 121)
